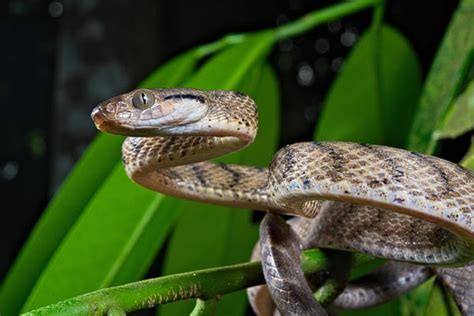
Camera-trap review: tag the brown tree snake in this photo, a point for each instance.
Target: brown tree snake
(413, 209)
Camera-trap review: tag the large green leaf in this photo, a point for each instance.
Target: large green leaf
(446, 77)
(99, 242)
(83, 184)
(76, 191)
(209, 235)
(173, 73)
(352, 110)
(460, 117)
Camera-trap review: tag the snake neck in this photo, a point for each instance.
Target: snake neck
(176, 165)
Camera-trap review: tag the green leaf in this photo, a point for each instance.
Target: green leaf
(440, 303)
(111, 224)
(445, 79)
(468, 160)
(414, 302)
(460, 117)
(173, 73)
(74, 196)
(94, 166)
(228, 68)
(352, 110)
(208, 235)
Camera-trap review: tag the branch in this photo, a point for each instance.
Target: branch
(205, 308)
(203, 284)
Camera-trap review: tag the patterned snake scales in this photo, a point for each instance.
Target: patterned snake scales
(382, 201)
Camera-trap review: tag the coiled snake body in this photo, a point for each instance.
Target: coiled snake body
(382, 201)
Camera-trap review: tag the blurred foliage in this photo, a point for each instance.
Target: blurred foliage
(446, 79)
(102, 230)
(460, 117)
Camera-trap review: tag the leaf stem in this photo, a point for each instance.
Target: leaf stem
(203, 284)
(210, 48)
(205, 307)
(299, 26)
(325, 15)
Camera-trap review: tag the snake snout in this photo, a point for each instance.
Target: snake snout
(98, 117)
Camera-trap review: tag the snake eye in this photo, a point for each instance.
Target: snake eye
(143, 99)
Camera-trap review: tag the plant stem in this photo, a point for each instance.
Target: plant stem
(205, 308)
(203, 284)
(318, 17)
(210, 48)
(116, 311)
(303, 24)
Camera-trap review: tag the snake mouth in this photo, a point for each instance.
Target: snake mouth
(98, 118)
(102, 123)
(107, 125)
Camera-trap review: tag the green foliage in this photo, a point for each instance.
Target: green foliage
(446, 78)
(441, 303)
(353, 111)
(102, 230)
(57, 220)
(460, 117)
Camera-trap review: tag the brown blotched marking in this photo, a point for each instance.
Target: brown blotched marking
(338, 162)
(444, 190)
(239, 94)
(235, 175)
(392, 166)
(199, 173)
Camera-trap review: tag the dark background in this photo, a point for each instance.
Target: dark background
(61, 58)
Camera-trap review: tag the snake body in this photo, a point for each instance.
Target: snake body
(382, 201)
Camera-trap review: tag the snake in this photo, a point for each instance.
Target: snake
(413, 209)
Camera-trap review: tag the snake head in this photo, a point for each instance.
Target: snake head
(150, 112)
